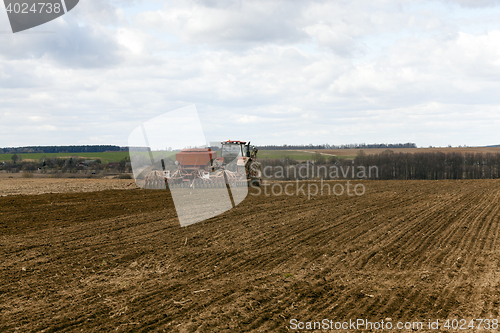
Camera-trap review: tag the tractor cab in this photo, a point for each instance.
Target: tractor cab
(237, 155)
(233, 149)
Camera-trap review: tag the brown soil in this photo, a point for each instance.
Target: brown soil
(119, 261)
(15, 186)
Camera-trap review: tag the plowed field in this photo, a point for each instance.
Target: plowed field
(118, 260)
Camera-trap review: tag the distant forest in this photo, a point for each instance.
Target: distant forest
(406, 166)
(348, 146)
(62, 149)
(104, 148)
(433, 165)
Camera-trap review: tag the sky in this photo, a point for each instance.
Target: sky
(269, 72)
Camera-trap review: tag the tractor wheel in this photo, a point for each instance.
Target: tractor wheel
(254, 182)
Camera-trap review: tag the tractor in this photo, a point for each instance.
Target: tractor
(201, 168)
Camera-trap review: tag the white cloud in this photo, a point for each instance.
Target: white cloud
(267, 71)
(228, 24)
(476, 3)
(46, 128)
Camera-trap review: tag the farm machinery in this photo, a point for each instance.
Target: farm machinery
(201, 168)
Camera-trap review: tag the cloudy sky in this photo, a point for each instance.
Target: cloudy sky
(273, 72)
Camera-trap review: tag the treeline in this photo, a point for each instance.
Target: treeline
(435, 165)
(388, 166)
(72, 164)
(62, 149)
(347, 146)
